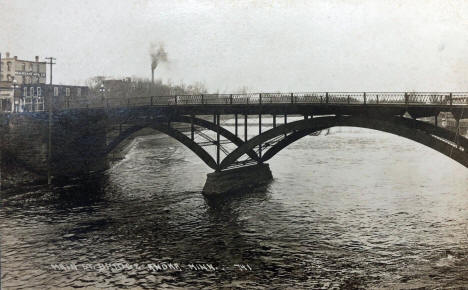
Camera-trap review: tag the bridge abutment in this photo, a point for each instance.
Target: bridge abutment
(78, 142)
(234, 180)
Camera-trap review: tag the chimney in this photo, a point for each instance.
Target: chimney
(7, 55)
(16, 58)
(152, 76)
(37, 58)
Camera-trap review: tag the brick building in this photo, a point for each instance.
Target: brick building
(32, 96)
(23, 86)
(23, 71)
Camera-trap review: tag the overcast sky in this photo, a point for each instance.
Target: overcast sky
(287, 46)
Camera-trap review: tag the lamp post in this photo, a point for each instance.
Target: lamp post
(102, 89)
(15, 102)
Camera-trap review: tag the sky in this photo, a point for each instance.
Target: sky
(264, 46)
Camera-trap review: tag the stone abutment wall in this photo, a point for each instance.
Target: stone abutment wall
(78, 141)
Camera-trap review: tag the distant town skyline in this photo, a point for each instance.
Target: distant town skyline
(264, 46)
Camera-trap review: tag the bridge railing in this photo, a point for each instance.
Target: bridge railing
(428, 98)
(349, 98)
(460, 98)
(384, 98)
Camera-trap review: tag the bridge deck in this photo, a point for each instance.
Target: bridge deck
(442, 100)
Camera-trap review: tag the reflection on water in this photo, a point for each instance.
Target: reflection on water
(354, 208)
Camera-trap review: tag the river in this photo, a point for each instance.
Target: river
(348, 208)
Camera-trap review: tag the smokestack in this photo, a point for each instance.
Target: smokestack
(37, 58)
(159, 55)
(7, 55)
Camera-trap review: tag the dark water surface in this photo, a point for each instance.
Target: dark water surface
(355, 208)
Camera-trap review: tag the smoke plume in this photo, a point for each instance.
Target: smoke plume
(158, 54)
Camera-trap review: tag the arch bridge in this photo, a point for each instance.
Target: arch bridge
(240, 132)
(249, 129)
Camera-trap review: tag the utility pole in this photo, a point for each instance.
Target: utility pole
(49, 152)
(51, 63)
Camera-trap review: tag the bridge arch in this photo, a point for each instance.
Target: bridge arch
(436, 138)
(163, 127)
(189, 143)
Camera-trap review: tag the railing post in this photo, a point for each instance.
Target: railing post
(202, 99)
(377, 98)
(326, 97)
(292, 98)
(230, 99)
(348, 100)
(260, 99)
(450, 98)
(365, 98)
(151, 100)
(406, 98)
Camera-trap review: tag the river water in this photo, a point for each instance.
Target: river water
(348, 208)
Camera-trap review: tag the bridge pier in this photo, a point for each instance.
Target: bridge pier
(238, 179)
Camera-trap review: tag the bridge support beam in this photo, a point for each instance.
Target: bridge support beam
(235, 124)
(245, 128)
(192, 128)
(218, 144)
(237, 180)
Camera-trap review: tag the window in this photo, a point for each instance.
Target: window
(40, 104)
(39, 91)
(28, 104)
(78, 92)
(56, 91)
(67, 92)
(25, 92)
(31, 90)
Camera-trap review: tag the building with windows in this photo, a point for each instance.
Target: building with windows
(23, 87)
(32, 95)
(23, 71)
